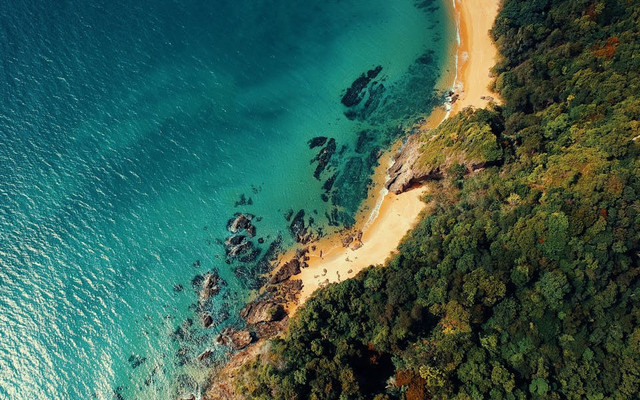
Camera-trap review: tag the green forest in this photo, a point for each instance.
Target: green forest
(523, 281)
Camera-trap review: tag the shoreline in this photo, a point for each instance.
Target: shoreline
(384, 218)
(476, 54)
(397, 214)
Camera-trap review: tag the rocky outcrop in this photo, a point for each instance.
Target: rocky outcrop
(272, 329)
(352, 239)
(221, 385)
(239, 246)
(235, 245)
(262, 311)
(210, 286)
(286, 292)
(417, 162)
(265, 317)
(241, 339)
(286, 271)
(242, 222)
(207, 320)
(236, 339)
(405, 171)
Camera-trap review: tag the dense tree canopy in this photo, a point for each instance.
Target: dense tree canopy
(524, 280)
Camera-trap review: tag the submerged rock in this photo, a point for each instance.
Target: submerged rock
(365, 139)
(355, 93)
(351, 186)
(297, 227)
(243, 201)
(117, 395)
(136, 361)
(250, 256)
(323, 157)
(328, 184)
(375, 96)
(317, 141)
(197, 281)
(288, 215)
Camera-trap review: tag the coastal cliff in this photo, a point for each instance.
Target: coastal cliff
(460, 145)
(405, 171)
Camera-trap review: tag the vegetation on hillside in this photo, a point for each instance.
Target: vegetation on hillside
(524, 281)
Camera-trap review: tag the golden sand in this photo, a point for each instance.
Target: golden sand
(477, 52)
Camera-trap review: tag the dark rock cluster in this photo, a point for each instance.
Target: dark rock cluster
(323, 158)
(239, 246)
(317, 141)
(356, 92)
(242, 222)
(364, 87)
(286, 271)
(210, 286)
(266, 316)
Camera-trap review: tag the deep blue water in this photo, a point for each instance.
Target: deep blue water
(128, 133)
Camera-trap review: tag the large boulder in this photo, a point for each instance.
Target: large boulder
(286, 271)
(207, 320)
(238, 339)
(241, 339)
(241, 222)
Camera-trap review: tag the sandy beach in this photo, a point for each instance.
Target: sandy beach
(384, 227)
(477, 53)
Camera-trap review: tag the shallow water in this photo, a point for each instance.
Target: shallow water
(128, 133)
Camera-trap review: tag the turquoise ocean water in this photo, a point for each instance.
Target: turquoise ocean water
(129, 133)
